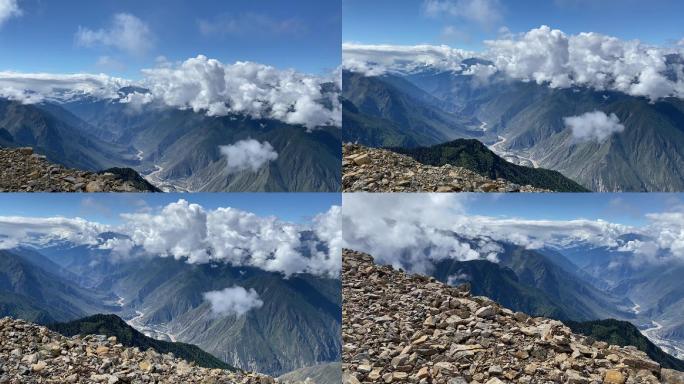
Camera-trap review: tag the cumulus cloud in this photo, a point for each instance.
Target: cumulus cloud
(233, 301)
(412, 237)
(32, 88)
(545, 56)
(248, 155)
(484, 12)
(594, 125)
(189, 232)
(126, 33)
(260, 91)
(433, 227)
(201, 84)
(196, 235)
(667, 228)
(328, 228)
(249, 24)
(8, 9)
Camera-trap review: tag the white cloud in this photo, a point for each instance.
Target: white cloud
(15, 230)
(412, 236)
(196, 235)
(126, 33)
(375, 60)
(434, 227)
(248, 155)
(187, 231)
(328, 228)
(8, 9)
(484, 12)
(542, 55)
(231, 301)
(594, 125)
(201, 84)
(260, 91)
(249, 24)
(457, 279)
(667, 229)
(179, 230)
(31, 88)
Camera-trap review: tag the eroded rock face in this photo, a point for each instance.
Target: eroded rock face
(414, 329)
(33, 354)
(378, 170)
(21, 170)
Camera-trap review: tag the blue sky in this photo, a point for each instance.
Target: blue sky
(105, 208)
(300, 34)
(623, 208)
(656, 22)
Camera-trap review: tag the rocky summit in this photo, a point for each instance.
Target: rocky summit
(33, 354)
(22, 170)
(401, 328)
(379, 170)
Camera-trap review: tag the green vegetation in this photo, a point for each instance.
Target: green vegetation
(623, 333)
(472, 154)
(112, 325)
(502, 285)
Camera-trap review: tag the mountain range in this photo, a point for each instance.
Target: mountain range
(522, 122)
(297, 326)
(176, 150)
(112, 325)
(472, 154)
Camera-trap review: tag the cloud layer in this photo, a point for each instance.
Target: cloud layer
(247, 155)
(16, 230)
(30, 88)
(8, 9)
(126, 33)
(201, 84)
(233, 301)
(434, 227)
(545, 56)
(260, 91)
(594, 125)
(376, 60)
(189, 232)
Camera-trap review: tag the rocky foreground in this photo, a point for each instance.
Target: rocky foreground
(21, 170)
(33, 354)
(412, 329)
(379, 170)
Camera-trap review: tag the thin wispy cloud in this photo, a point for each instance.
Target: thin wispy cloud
(8, 10)
(486, 13)
(250, 24)
(126, 33)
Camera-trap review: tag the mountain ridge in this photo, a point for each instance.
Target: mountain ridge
(434, 332)
(472, 154)
(112, 325)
